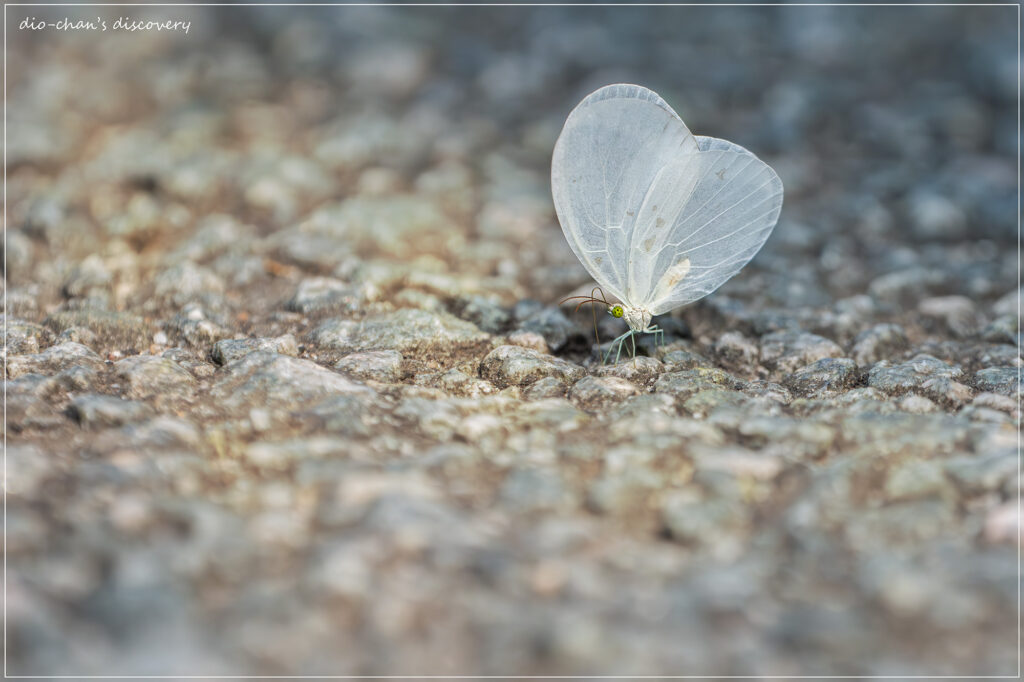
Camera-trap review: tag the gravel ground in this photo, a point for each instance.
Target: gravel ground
(289, 392)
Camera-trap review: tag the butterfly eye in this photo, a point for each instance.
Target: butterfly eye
(616, 311)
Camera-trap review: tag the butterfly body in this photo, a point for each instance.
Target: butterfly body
(638, 319)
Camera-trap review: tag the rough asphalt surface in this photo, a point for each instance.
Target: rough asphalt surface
(288, 391)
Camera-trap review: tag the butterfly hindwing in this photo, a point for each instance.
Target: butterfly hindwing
(727, 217)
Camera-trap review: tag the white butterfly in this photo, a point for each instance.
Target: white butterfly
(659, 217)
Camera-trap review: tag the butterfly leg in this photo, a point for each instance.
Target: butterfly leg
(619, 340)
(628, 336)
(659, 335)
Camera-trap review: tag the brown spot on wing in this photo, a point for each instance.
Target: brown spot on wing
(675, 274)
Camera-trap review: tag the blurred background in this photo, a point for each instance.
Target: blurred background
(278, 170)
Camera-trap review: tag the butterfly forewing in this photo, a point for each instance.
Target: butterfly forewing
(613, 145)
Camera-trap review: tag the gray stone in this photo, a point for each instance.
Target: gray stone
(768, 391)
(458, 383)
(315, 252)
(946, 391)
(531, 490)
(22, 337)
(552, 324)
(196, 366)
(99, 411)
(518, 366)
(599, 393)
(959, 314)
(827, 377)
(1002, 380)
(377, 365)
(464, 385)
(229, 350)
(703, 402)
(353, 415)
(324, 294)
(195, 327)
(902, 378)
(680, 359)
(53, 360)
(529, 340)
(736, 351)
(1008, 303)
(996, 355)
(414, 298)
(551, 413)
(916, 479)
(641, 370)
(881, 342)
(983, 473)
(485, 313)
(215, 234)
(800, 437)
(917, 404)
(996, 401)
(643, 406)
(788, 351)
(626, 493)
(282, 455)
(410, 332)
(275, 381)
(28, 406)
(433, 418)
(699, 522)
(186, 282)
(545, 387)
(936, 216)
(685, 383)
(737, 462)
(908, 286)
(88, 275)
(401, 227)
(1003, 329)
(120, 330)
(81, 335)
(150, 376)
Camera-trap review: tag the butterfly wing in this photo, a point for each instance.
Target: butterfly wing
(702, 219)
(612, 148)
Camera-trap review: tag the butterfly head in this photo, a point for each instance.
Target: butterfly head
(616, 311)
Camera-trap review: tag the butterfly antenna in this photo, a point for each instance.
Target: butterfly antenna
(584, 300)
(604, 299)
(592, 300)
(573, 298)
